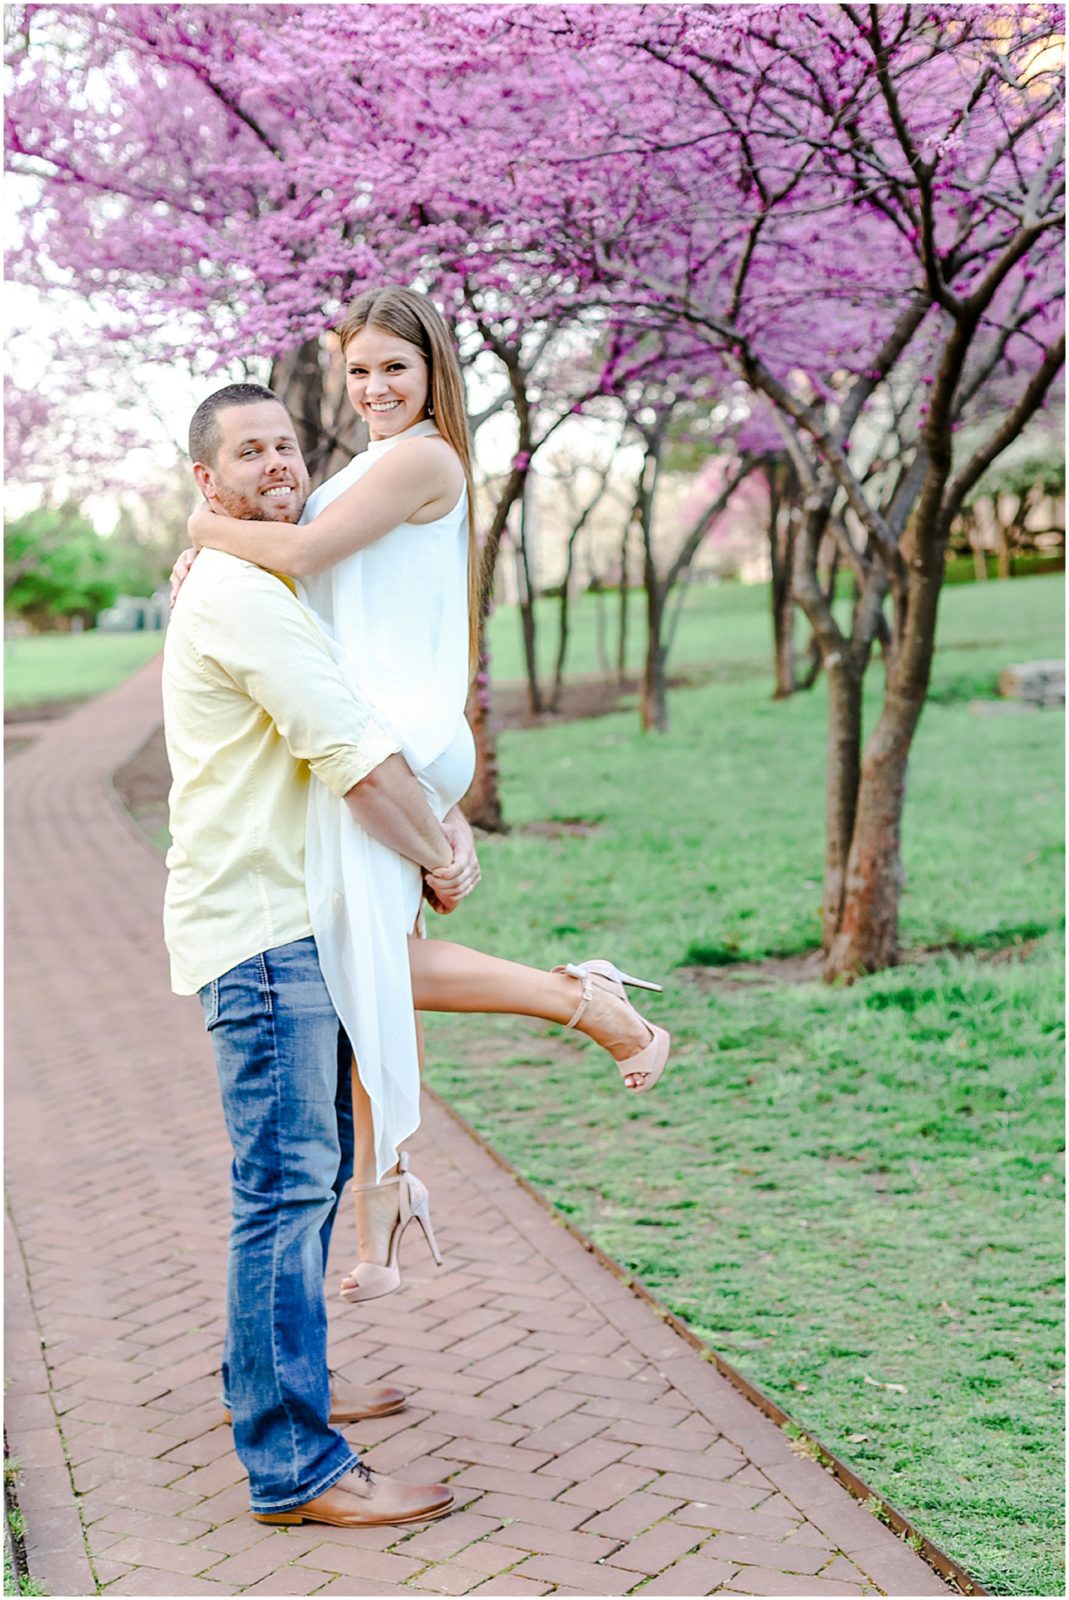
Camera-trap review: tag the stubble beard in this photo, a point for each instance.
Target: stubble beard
(248, 508)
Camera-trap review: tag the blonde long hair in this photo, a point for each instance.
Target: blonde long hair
(411, 316)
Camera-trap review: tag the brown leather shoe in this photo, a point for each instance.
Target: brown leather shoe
(356, 1402)
(365, 1500)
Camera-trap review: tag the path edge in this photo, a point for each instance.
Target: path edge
(885, 1512)
(54, 1542)
(882, 1510)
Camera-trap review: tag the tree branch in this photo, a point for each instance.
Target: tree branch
(1027, 405)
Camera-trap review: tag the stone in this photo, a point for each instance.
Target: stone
(1040, 683)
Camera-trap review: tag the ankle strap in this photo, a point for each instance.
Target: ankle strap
(588, 990)
(402, 1168)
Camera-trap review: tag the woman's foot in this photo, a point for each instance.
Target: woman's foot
(617, 1027)
(383, 1212)
(377, 1209)
(606, 1015)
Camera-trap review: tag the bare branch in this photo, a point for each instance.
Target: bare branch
(1029, 402)
(922, 170)
(703, 526)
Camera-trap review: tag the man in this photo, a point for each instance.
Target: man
(254, 712)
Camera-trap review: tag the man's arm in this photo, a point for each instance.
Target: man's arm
(254, 629)
(391, 806)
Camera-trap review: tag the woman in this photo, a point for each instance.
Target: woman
(386, 558)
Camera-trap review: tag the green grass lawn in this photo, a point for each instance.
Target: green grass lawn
(853, 1194)
(71, 666)
(721, 624)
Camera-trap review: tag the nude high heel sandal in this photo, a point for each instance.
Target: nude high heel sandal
(605, 975)
(414, 1204)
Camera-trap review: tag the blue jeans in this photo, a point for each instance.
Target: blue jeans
(283, 1063)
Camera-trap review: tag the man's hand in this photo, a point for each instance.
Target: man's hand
(180, 572)
(448, 886)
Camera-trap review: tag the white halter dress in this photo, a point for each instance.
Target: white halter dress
(398, 613)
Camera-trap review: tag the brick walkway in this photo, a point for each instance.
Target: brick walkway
(591, 1450)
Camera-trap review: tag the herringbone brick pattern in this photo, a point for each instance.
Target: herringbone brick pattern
(591, 1451)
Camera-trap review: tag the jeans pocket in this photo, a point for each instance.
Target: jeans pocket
(209, 999)
(243, 995)
(238, 997)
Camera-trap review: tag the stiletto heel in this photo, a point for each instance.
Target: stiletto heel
(607, 977)
(611, 971)
(414, 1204)
(423, 1217)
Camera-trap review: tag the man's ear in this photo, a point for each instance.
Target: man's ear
(205, 480)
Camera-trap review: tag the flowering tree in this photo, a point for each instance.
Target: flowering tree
(855, 210)
(860, 209)
(658, 412)
(222, 196)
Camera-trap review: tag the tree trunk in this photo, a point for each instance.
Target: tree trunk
(526, 607)
(329, 432)
(654, 699)
(781, 544)
(566, 592)
(866, 939)
(973, 534)
(621, 641)
(782, 516)
(562, 640)
(482, 803)
(654, 703)
(815, 661)
(840, 787)
(530, 661)
(297, 379)
(1005, 567)
(600, 628)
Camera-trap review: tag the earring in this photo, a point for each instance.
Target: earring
(430, 408)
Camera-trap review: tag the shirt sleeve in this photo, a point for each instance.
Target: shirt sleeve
(254, 630)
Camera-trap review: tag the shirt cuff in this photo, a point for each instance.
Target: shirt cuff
(344, 768)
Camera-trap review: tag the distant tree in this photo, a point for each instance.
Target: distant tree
(1004, 506)
(57, 566)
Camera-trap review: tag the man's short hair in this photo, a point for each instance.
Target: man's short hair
(205, 435)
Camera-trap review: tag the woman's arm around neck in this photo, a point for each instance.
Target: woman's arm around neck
(417, 481)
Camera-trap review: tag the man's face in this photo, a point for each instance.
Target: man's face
(259, 473)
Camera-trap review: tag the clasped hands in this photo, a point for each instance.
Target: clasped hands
(446, 887)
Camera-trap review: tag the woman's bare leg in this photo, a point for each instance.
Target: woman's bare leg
(375, 1209)
(453, 977)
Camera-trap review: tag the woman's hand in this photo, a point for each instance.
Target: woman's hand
(446, 888)
(180, 572)
(436, 903)
(199, 523)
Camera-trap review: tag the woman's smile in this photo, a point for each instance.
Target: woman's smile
(387, 381)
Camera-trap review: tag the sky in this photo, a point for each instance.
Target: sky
(165, 394)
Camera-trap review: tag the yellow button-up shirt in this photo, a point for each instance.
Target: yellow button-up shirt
(254, 705)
